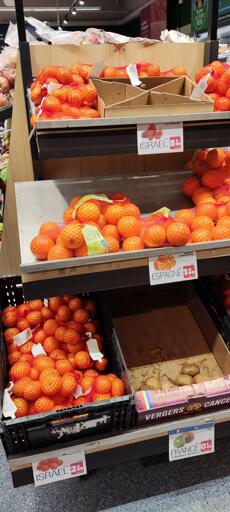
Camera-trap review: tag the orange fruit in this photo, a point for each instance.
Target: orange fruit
(10, 318)
(34, 374)
(109, 72)
(19, 369)
(39, 336)
(221, 211)
(186, 216)
(84, 70)
(207, 199)
(27, 357)
(50, 327)
(71, 359)
(74, 201)
(64, 75)
(200, 193)
(51, 104)
(50, 382)
(112, 243)
(200, 167)
(201, 235)
(57, 354)
(72, 236)
(43, 362)
(211, 179)
(35, 305)
(89, 94)
(59, 252)
(118, 388)
(102, 384)
(10, 333)
(26, 348)
(202, 222)
(90, 327)
(14, 357)
(207, 209)
(71, 337)
(102, 365)
(40, 246)
(227, 206)
(101, 221)
(75, 69)
(22, 407)
(189, 186)
(47, 313)
(82, 360)
(98, 397)
(68, 384)
(90, 373)
(128, 226)
(68, 215)
(75, 303)
(132, 209)
(75, 97)
(22, 324)
(50, 344)
(77, 79)
(87, 382)
(50, 229)
(154, 236)
(32, 390)
(110, 230)
(76, 347)
(224, 221)
(178, 234)
(34, 318)
(12, 348)
(59, 333)
(55, 303)
(81, 251)
(81, 315)
(68, 298)
(81, 400)
(114, 213)
(20, 386)
(111, 376)
(88, 212)
(64, 313)
(63, 366)
(43, 404)
(215, 158)
(220, 232)
(23, 309)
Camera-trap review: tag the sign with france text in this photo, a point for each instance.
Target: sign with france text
(52, 468)
(160, 138)
(191, 441)
(172, 268)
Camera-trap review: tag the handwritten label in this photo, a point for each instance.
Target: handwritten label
(173, 268)
(160, 138)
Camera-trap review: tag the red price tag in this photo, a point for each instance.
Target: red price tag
(206, 446)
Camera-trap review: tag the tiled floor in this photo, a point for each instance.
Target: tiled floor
(201, 484)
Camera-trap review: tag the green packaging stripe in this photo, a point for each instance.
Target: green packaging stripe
(95, 242)
(3, 174)
(101, 197)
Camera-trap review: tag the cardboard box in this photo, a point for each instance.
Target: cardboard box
(172, 97)
(158, 335)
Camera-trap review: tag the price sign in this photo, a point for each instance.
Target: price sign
(173, 268)
(160, 138)
(54, 468)
(191, 441)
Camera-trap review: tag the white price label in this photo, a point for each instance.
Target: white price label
(160, 138)
(191, 441)
(133, 75)
(172, 268)
(37, 350)
(94, 351)
(52, 469)
(22, 337)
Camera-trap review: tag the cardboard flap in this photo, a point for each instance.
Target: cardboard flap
(113, 92)
(175, 86)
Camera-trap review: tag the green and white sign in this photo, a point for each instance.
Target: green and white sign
(200, 14)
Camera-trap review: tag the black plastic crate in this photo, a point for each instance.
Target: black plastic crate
(213, 302)
(68, 424)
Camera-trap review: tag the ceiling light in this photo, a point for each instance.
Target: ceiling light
(81, 2)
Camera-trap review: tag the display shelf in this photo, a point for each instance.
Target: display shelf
(5, 113)
(102, 451)
(88, 137)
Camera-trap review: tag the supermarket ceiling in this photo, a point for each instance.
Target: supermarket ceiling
(88, 12)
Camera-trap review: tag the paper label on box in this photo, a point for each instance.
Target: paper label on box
(173, 268)
(191, 441)
(9, 409)
(160, 138)
(22, 337)
(94, 350)
(79, 392)
(133, 75)
(97, 68)
(53, 469)
(37, 350)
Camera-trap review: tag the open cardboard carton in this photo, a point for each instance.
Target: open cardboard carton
(172, 97)
(160, 334)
